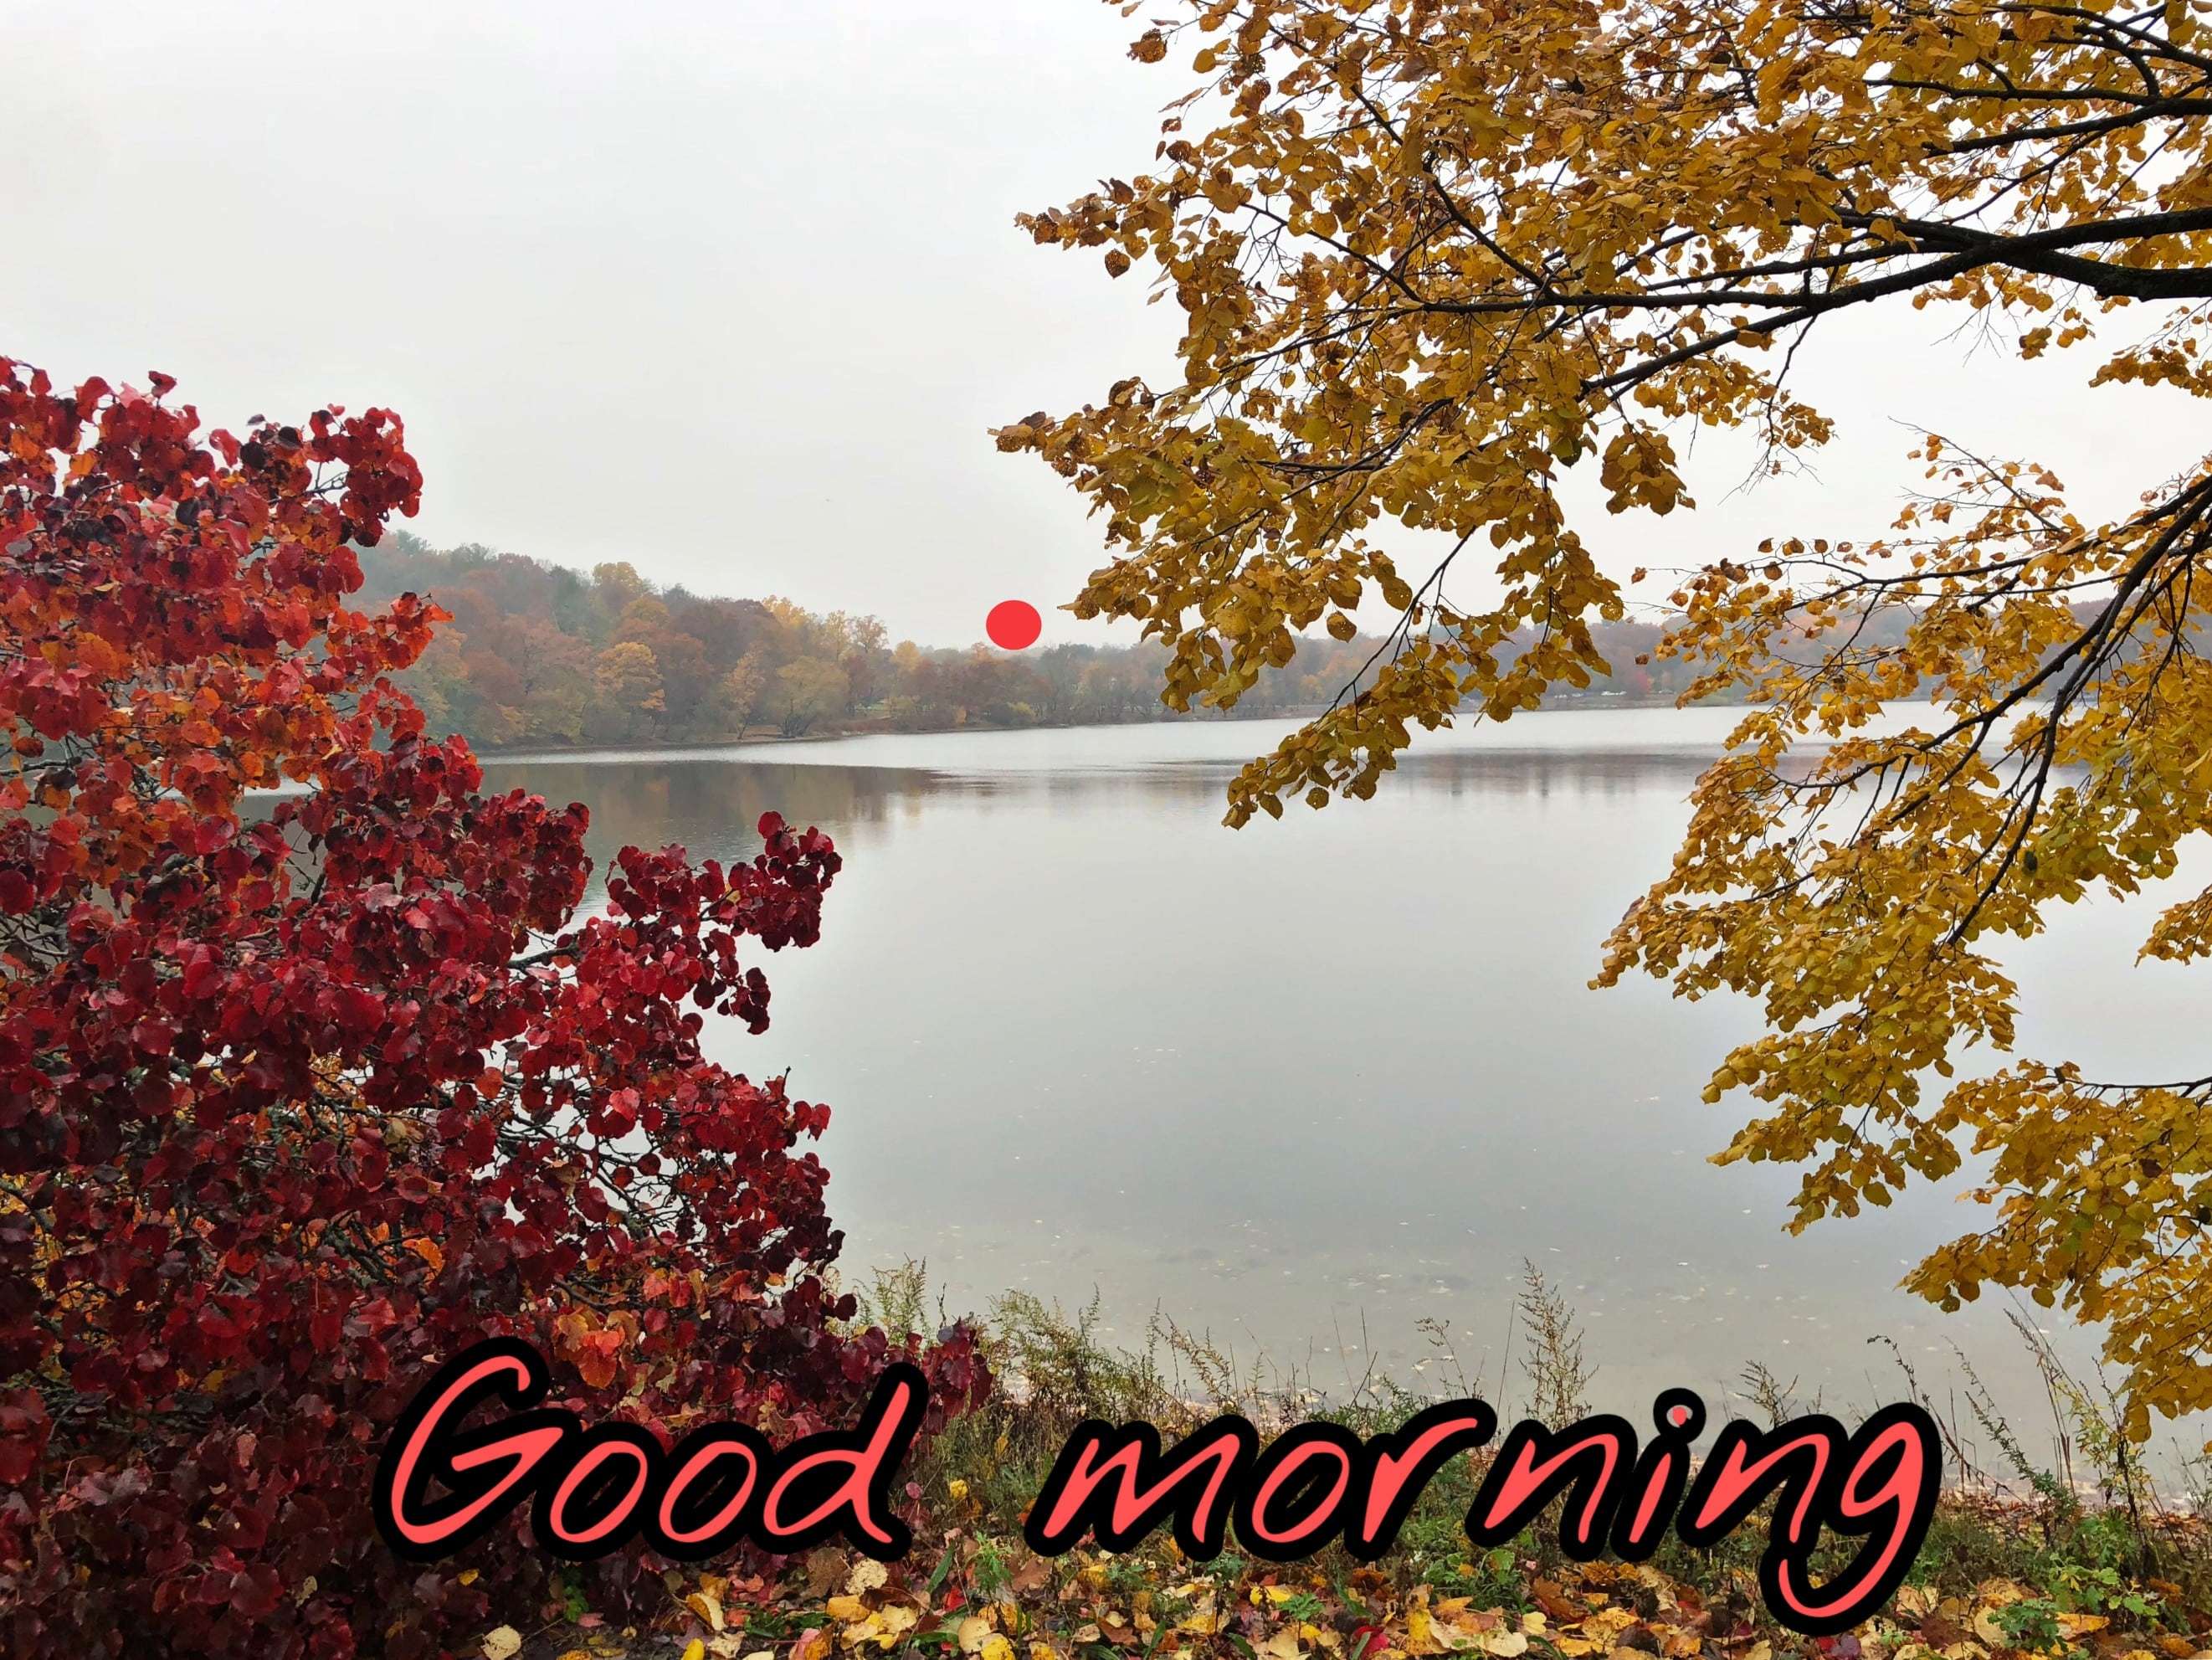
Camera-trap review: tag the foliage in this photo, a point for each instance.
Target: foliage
(986, 1597)
(298, 1098)
(1432, 253)
(1990, 1582)
(533, 659)
(2031, 1623)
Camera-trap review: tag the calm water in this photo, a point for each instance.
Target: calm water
(1306, 1083)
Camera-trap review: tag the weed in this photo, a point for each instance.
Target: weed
(2031, 1624)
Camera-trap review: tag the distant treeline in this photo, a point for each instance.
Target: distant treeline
(542, 655)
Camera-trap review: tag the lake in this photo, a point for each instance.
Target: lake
(1305, 1085)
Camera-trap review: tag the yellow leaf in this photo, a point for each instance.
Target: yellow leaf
(500, 1642)
(896, 1621)
(1420, 1633)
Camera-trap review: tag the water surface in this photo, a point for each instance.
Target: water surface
(1306, 1084)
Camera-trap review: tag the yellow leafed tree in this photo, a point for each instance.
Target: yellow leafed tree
(1430, 253)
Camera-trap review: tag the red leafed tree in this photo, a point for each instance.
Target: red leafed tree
(296, 1102)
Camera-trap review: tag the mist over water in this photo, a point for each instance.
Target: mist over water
(1305, 1085)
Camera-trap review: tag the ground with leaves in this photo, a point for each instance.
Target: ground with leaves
(2084, 1560)
(991, 1599)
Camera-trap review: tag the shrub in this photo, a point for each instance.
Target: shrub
(295, 1103)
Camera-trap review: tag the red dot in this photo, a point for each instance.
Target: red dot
(1678, 1416)
(1013, 624)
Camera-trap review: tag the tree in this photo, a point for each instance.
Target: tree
(738, 694)
(618, 586)
(626, 698)
(1431, 253)
(555, 671)
(808, 689)
(858, 643)
(297, 1101)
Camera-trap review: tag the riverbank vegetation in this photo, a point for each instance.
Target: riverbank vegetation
(542, 656)
(2075, 1552)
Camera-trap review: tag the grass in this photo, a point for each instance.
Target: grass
(2086, 1535)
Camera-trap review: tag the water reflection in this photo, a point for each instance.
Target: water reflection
(709, 803)
(1309, 1083)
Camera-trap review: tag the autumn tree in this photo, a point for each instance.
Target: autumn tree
(1431, 253)
(738, 694)
(806, 691)
(619, 585)
(626, 694)
(302, 1093)
(553, 672)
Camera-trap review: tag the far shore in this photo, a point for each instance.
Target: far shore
(868, 728)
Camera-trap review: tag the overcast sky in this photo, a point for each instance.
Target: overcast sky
(731, 290)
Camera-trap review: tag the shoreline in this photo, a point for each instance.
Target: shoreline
(870, 729)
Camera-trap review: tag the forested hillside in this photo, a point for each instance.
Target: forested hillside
(540, 654)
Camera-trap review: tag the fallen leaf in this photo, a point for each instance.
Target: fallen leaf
(897, 1621)
(501, 1641)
